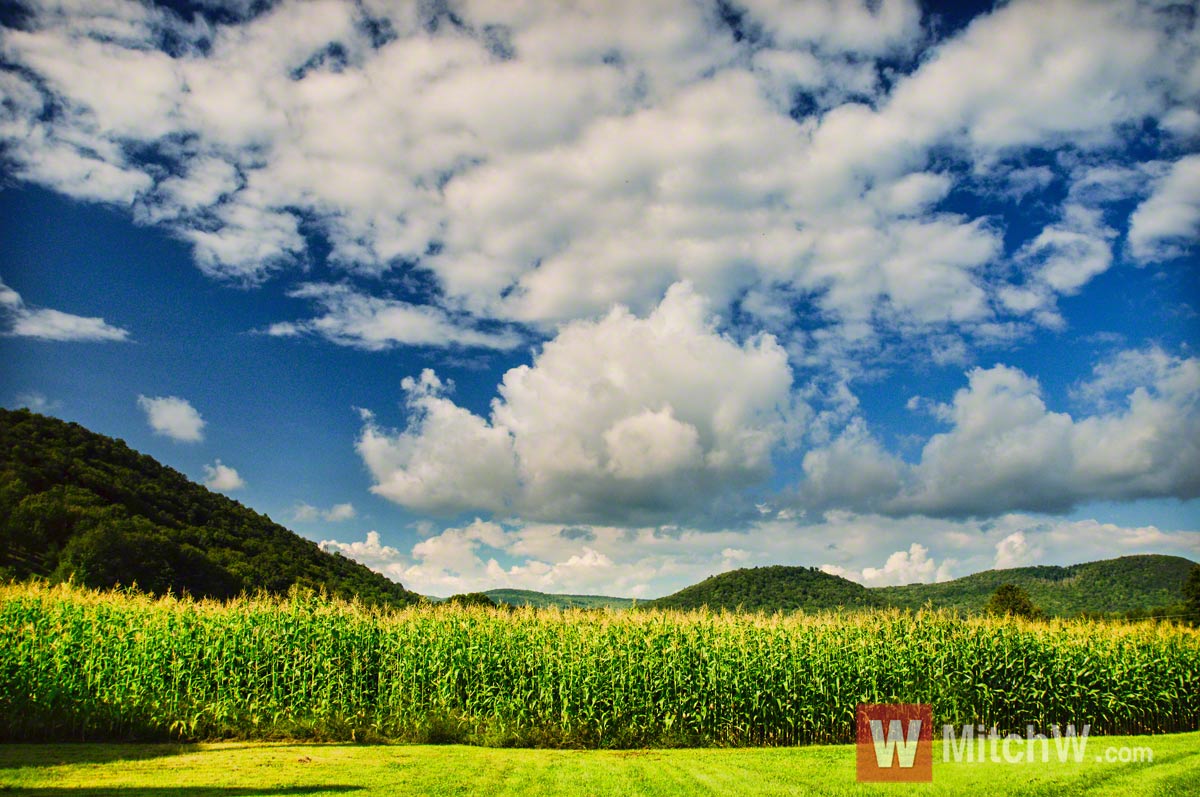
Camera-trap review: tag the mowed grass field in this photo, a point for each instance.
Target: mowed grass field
(241, 768)
(80, 665)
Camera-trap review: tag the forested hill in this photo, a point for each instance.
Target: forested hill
(76, 503)
(1125, 584)
(771, 589)
(1129, 584)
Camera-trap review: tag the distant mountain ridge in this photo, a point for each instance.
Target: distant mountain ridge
(76, 504)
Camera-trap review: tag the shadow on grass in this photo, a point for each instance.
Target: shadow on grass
(172, 791)
(16, 756)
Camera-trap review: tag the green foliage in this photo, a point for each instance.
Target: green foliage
(77, 664)
(470, 599)
(771, 589)
(1011, 601)
(1145, 584)
(1191, 596)
(78, 505)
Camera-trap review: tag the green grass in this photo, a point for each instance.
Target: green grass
(226, 769)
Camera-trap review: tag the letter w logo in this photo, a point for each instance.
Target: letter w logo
(885, 751)
(895, 743)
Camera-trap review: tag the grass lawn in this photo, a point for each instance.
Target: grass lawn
(239, 768)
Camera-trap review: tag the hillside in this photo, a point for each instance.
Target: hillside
(545, 600)
(1109, 586)
(78, 504)
(771, 589)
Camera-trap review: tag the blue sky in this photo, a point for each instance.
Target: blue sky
(612, 298)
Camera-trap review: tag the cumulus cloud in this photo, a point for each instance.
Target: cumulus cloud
(222, 478)
(447, 460)
(173, 417)
(902, 567)
(46, 324)
(1006, 450)
(623, 416)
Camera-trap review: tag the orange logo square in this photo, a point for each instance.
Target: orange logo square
(895, 742)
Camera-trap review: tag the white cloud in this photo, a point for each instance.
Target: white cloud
(840, 25)
(1016, 551)
(173, 417)
(1007, 451)
(307, 513)
(1182, 122)
(1168, 223)
(55, 325)
(373, 323)
(902, 567)
(624, 416)
(340, 512)
(371, 551)
(222, 478)
(1064, 257)
(447, 460)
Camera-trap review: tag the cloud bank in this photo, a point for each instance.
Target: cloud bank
(765, 152)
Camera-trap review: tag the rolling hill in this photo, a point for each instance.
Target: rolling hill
(1128, 583)
(770, 589)
(1112, 586)
(76, 504)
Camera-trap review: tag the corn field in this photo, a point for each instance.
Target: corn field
(76, 664)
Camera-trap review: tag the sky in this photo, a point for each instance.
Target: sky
(608, 297)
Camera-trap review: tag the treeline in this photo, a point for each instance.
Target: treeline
(78, 505)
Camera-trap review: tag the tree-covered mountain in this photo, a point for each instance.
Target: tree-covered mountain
(545, 600)
(76, 504)
(1127, 584)
(771, 589)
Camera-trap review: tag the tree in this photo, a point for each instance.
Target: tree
(1013, 601)
(470, 599)
(1191, 596)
